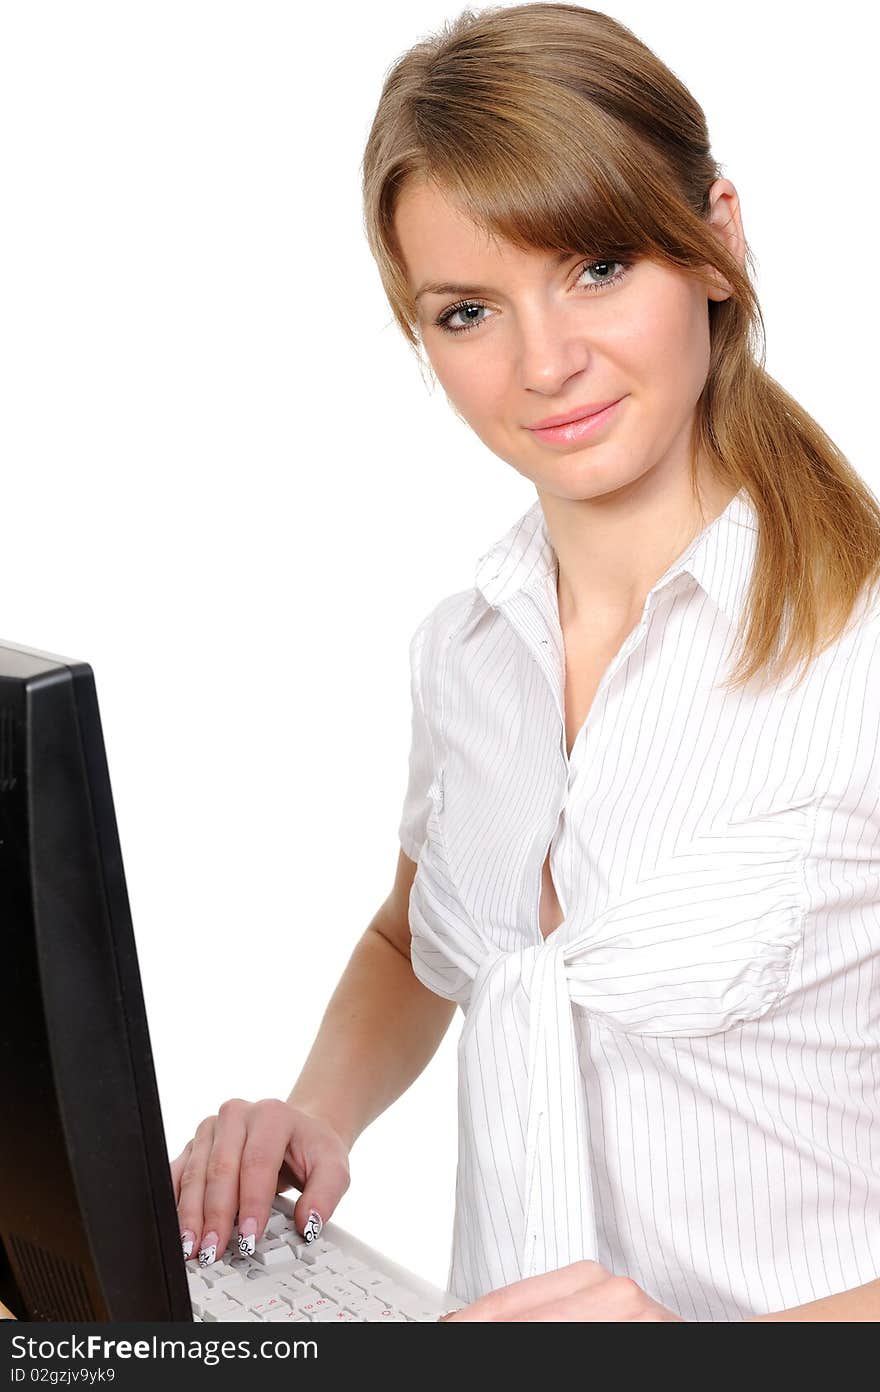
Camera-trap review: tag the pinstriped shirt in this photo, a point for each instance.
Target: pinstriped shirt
(682, 1080)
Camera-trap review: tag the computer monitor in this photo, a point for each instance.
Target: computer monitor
(88, 1221)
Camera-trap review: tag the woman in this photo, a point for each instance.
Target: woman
(651, 883)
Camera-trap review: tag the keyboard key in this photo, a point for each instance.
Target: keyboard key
(295, 1294)
(385, 1316)
(333, 1286)
(217, 1307)
(292, 1291)
(299, 1303)
(313, 1251)
(264, 1304)
(312, 1307)
(299, 1271)
(364, 1305)
(342, 1264)
(271, 1258)
(367, 1279)
(415, 1307)
(230, 1283)
(255, 1290)
(266, 1243)
(338, 1316)
(281, 1204)
(296, 1243)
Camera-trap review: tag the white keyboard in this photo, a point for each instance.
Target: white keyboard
(335, 1279)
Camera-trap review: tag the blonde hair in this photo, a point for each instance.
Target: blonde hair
(554, 127)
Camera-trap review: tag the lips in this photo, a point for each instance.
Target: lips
(577, 413)
(582, 428)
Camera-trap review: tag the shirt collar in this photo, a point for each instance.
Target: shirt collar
(720, 558)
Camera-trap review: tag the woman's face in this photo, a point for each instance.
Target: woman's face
(548, 337)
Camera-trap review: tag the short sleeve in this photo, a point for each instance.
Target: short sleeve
(417, 802)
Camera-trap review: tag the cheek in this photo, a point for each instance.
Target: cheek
(473, 393)
(666, 346)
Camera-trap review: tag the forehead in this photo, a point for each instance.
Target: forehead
(430, 226)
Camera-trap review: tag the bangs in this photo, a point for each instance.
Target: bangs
(538, 177)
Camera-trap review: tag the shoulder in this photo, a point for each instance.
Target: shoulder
(431, 641)
(442, 622)
(862, 634)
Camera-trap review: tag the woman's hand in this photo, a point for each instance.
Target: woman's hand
(582, 1291)
(240, 1159)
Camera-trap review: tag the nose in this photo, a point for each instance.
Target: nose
(553, 347)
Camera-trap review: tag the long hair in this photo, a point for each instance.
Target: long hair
(554, 127)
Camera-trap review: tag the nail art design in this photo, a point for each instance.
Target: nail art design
(187, 1239)
(208, 1249)
(247, 1237)
(314, 1224)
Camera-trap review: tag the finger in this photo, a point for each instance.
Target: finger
(177, 1166)
(323, 1164)
(520, 1296)
(190, 1205)
(222, 1174)
(262, 1158)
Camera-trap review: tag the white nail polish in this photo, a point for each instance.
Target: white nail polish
(314, 1224)
(247, 1237)
(208, 1249)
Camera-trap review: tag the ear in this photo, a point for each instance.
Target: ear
(725, 221)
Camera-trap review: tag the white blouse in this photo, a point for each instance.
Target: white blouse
(682, 1081)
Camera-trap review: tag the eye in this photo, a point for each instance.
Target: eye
(600, 267)
(604, 278)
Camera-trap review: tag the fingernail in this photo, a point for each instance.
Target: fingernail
(187, 1239)
(208, 1249)
(314, 1224)
(246, 1238)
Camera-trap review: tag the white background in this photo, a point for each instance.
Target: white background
(226, 485)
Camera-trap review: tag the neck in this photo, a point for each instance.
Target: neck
(613, 548)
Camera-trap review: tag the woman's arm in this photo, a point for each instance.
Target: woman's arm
(381, 1026)
(860, 1303)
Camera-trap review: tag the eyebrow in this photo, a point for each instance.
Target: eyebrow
(450, 288)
